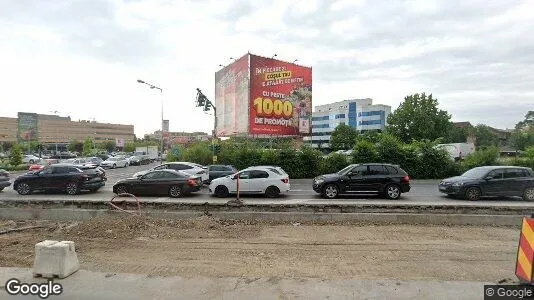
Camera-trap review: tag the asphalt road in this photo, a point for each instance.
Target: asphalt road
(422, 192)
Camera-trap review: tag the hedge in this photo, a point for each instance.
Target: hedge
(421, 160)
(22, 167)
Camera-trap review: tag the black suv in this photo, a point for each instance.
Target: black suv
(61, 177)
(492, 181)
(374, 178)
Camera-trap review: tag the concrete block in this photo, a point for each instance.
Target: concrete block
(55, 259)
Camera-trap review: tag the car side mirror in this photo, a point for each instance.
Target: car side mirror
(234, 177)
(487, 178)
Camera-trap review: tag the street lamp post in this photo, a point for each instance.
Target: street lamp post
(161, 93)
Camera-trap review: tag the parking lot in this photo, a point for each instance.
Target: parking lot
(422, 192)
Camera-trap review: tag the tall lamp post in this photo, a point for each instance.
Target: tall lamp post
(161, 93)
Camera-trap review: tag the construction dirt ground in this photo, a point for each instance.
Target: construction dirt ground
(222, 248)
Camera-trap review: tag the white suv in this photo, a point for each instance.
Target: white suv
(190, 168)
(269, 180)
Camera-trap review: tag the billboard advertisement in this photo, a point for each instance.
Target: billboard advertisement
(27, 127)
(280, 98)
(231, 98)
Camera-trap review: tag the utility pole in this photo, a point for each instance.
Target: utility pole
(161, 93)
(202, 100)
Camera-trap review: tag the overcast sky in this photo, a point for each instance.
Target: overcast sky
(83, 57)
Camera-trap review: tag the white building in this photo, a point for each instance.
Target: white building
(360, 114)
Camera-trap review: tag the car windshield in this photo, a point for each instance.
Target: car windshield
(112, 159)
(475, 173)
(345, 170)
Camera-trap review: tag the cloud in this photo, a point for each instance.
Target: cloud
(84, 57)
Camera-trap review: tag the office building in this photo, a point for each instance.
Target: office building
(53, 129)
(360, 114)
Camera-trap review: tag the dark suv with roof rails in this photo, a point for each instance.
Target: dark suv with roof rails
(386, 180)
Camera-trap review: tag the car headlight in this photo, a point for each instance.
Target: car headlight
(458, 184)
(319, 181)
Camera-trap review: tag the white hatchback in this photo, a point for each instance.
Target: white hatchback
(271, 181)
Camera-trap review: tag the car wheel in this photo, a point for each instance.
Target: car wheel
(473, 193)
(23, 188)
(72, 188)
(331, 191)
(221, 191)
(393, 191)
(114, 166)
(31, 161)
(272, 192)
(175, 191)
(1, 189)
(528, 195)
(121, 189)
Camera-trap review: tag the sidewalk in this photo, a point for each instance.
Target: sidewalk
(91, 285)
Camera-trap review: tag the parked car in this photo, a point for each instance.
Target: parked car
(30, 159)
(4, 179)
(43, 163)
(94, 160)
(190, 168)
(87, 167)
(384, 179)
(61, 177)
(138, 160)
(114, 162)
(160, 182)
(494, 181)
(217, 171)
(253, 180)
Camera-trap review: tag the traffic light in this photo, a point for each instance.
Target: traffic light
(207, 105)
(200, 100)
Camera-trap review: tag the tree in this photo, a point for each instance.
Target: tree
(485, 137)
(15, 157)
(75, 146)
(528, 122)
(343, 137)
(417, 118)
(365, 152)
(129, 147)
(459, 134)
(522, 140)
(87, 147)
(109, 146)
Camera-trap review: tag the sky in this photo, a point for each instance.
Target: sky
(82, 58)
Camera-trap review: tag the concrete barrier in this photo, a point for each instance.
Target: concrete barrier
(55, 259)
(282, 217)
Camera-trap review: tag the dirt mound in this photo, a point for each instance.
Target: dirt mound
(130, 227)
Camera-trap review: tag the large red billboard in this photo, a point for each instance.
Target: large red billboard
(232, 97)
(280, 98)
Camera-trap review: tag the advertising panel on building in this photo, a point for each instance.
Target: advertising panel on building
(280, 98)
(27, 126)
(231, 98)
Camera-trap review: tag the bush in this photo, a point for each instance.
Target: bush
(21, 167)
(486, 157)
(364, 152)
(309, 162)
(333, 163)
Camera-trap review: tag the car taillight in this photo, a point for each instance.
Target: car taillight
(191, 182)
(406, 179)
(285, 180)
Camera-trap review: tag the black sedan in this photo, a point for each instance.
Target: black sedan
(383, 179)
(160, 182)
(4, 179)
(217, 171)
(492, 181)
(62, 177)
